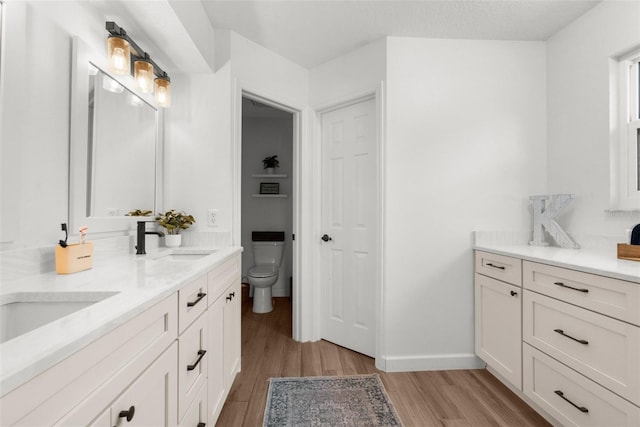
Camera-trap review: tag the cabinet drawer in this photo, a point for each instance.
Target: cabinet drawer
(223, 276)
(197, 411)
(192, 300)
(498, 339)
(612, 297)
(604, 349)
(192, 363)
(499, 267)
(556, 389)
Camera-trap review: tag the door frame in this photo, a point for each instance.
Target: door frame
(239, 91)
(377, 94)
(307, 150)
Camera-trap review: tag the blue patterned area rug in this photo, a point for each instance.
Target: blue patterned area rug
(358, 400)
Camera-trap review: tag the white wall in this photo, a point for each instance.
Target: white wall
(262, 137)
(349, 75)
(466, 129)
(578, 113)
(34, 130)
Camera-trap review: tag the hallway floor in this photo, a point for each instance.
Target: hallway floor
(435, 398)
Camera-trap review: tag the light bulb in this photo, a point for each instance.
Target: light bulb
(119, 55)
(143, 75)
(163, 92)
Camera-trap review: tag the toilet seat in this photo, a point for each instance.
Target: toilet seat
(263, 271)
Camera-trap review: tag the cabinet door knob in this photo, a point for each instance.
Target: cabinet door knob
(514, 293)
(128, 414)
(326, 238)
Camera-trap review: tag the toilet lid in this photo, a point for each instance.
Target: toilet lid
(263, 271)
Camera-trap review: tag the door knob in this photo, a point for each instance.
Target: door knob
(326, 238)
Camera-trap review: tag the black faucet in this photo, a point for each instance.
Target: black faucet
(141, 237)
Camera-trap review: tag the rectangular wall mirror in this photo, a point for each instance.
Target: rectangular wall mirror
(116, 155)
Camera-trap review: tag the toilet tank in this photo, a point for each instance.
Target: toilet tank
(265, 253)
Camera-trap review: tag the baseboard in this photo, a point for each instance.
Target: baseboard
(436, 362)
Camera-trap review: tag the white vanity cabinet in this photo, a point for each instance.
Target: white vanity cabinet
(224, 332)
(171, 365)
(498, 319)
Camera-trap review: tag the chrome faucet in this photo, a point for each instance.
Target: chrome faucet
(141, 237)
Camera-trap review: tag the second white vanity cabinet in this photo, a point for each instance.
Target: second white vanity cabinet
(498, 319)
(580, 338)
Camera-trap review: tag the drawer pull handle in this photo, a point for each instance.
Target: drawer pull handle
(128, 414)
(495, 266)
(229, 297)
(579, 408)
(514, 293)
(571, 287)
(200, 296)
(561, 332)
(201, 354)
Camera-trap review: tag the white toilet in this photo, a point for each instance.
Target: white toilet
(268, 247)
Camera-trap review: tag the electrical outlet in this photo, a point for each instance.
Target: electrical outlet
(212, 215)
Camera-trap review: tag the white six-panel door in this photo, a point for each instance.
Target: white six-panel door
(349, 220)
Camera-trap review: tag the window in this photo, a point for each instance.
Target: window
(628, 185)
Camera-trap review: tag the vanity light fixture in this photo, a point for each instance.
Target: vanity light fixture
(120, 47)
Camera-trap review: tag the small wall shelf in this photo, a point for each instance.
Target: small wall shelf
(269, 175)
(269, 195)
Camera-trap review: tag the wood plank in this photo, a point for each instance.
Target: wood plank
(460, 398)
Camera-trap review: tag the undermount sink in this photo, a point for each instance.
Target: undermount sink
(22, 312)
(184, 255)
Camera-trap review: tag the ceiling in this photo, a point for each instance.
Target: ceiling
(311, 32)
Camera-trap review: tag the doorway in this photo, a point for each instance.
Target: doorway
(267, 193)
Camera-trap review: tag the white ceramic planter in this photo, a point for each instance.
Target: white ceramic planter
(173, 240)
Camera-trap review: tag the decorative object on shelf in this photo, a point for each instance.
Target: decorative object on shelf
(271, 163)
(269, 188)
(121, 49)
(543, 219)
(174, 221)
(139, 212)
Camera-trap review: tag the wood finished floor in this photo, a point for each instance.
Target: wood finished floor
(460, 398)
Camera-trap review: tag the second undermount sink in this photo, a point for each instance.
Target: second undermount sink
(22, 312)
(184, 255)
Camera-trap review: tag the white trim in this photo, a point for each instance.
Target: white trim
(433, 362)
(624, 156)
(240, 90)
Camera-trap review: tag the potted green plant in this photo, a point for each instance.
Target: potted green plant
(139, 212)
(270, 164)
(174, 222)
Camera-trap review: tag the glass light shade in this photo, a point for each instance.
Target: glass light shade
(118, 55)
(143, 76)
(163, 92)
(111, 85)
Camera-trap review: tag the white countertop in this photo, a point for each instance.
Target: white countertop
(140, 282)
(595, 262)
